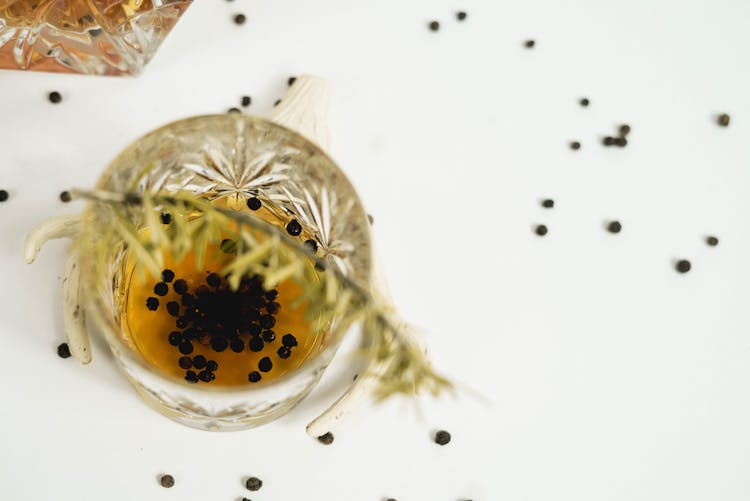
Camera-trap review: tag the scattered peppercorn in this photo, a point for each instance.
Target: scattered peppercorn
(181, 322)
(191, 377)
(326, 439)
(3, 195)
(624, 130)
(228, 246)
(161, 289)
(621, 142)
(529, 44)
(206, 376)
(253, 377)
(65, 196)
(265, 364)
(185, 363)
(584, 101)
(461, 15)
(442, 437)
(267, 321)
(712, 241)
(540, 230)
(723, 120)
(575, 145)
(608, 141)
(311, 245)
(434, 25)
(278, 102)
(253, 203)
(253, 484)
(199, 362)
(167, 481)
(683, 266)
(289, 340)
(167, 276)
(273, 307)
(180, 286)
(152, 303)
(294, 228)
(63, 350)
(291, 81)
(211, 365)
(166, 218)
(234, 109)
(548, 203)
(614, 227)
(239, 19)
(370, 218)
(246, 101)
(54, 97)
(272, 294)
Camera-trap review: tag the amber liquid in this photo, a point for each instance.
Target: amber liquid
(149, 330)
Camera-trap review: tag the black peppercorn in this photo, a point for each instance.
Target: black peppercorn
(253, 203)
(268, 336)
(181, 323)
(272, 294)
(234, 110)
(199, 361)
(291, 81)
(191, 377)
(167, 276)
(614, 227)
(161, 289)
(166, 217)
(175, 338)
(548, 203)
(239, 19)
(237, 345)
(166, 481)
(529, 44)
(289, 340)
(267, 321)
(3, 195)
(723, 120)
(683, 266)
(152, 303)
(273, 307)
(185, 347)
(219, 343)
(206, 376)
(54, 97)
(621, 142)
(65, 196)
(434, 25)
(63, 350)
(213, 280)
(253, 483)
(540, 230)
(211, 365)
(255, 344)
(624, 130)
(185, 363)
(254, 329)
(173, 308)
(265, 364)
(608, 141)
(253, 377)
(712, 241)
(180, 286)
(294, 228)
(326, 439)
(246, 101)
(461, 15)
(584, 102)
(575, 145)
(284, 352)
(442, 437)
(311, 245)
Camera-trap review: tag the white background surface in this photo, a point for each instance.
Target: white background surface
(608, 376)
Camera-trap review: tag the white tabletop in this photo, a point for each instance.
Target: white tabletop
(603, 374)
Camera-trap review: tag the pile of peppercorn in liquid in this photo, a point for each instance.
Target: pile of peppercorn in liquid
(191, 324)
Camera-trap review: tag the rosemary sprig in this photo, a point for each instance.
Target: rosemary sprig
(333, 300)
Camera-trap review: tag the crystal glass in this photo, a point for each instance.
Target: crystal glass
(98, 37)
(227, 159)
